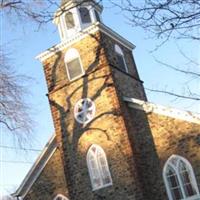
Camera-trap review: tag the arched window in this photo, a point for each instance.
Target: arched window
(85, 15)
(120, 58)
(69, 19)
(98, 167)
(179, 179)
(60, 197)
(73, 64)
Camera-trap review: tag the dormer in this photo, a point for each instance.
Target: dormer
(75, 15)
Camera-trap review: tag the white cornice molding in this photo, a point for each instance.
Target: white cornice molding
(89, 30)
(71, 4)
(37, 168)
(162, 110)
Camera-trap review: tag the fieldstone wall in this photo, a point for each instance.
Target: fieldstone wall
(154, 139)
(136, 143)
(128, 84)
(50, 182)
(107, 129)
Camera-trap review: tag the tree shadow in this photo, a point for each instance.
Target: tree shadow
(69, 141)
(145, 166)
(145, 153)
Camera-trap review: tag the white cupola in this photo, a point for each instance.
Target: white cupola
(75, 15)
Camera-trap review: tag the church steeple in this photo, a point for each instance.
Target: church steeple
(75, 15)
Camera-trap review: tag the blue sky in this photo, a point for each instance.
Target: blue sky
(24, 42)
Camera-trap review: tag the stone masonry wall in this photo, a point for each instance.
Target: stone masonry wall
(174, 136)
(50, 182)
(154, 139)
(107, 129)
(128, 84)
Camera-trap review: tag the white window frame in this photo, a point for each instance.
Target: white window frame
(85, 110)
(89, 12)
(60, 196)
(192, 176)
(71, 55)
(119, 51)
(73, 20)
(98, 148)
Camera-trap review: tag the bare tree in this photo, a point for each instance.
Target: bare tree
(14, 111)
(38, 11)
(164, 18)
(23, 10)
(189, 70)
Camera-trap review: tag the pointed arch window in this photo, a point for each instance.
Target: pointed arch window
(179, 179)
(98, 168)
(120, 58)
(73, 64)
(69, 20)
(85, 15)
(60, 197)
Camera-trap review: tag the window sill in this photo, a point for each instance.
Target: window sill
(78, 77)
(196, 197)
(101, 187)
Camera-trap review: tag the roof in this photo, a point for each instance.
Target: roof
(37, 168)
(163, 110)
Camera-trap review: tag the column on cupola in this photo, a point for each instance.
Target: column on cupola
(75, 16)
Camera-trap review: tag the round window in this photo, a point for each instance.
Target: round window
(84, 110)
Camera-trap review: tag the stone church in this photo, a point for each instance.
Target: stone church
(109, 141)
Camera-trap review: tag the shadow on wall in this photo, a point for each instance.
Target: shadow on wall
(147, 159)
(155, 138)
(145, 154)
(70, 145)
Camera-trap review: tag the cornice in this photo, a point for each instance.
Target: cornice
(163, 110)
(82, 34)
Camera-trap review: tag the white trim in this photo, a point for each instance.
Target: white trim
(162, 110)
(71, 4)
(119, 51)
(84, 110)
(99, 167)
(72, 15)
(80, 35)
(74, 55)
(60, 196)
(71, 54)
(34, 168)
(175, 168)
(83, 25)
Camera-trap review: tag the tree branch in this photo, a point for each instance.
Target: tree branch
(174, 94)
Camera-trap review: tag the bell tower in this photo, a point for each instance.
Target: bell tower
(88, 74)
(76, 15)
